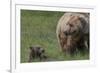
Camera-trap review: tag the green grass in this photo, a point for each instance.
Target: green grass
(39, 28)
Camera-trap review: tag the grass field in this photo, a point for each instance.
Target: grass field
(39, 28)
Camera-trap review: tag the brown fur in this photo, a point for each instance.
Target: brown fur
(73, 32)
(37, 52)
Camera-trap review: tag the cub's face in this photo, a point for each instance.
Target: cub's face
(37, 50)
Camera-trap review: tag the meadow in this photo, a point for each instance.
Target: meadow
(39, 28)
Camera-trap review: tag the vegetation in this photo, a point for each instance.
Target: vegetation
(39, 28)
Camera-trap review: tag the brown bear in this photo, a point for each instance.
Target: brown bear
(73, 32)
(37, 52)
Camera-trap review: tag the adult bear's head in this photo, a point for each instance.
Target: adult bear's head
(74, 31)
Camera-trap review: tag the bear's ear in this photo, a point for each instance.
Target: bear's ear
(83, 21)
(85, 25)
(43, 50)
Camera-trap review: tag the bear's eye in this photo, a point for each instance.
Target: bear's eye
(71, 25)
(38, 48)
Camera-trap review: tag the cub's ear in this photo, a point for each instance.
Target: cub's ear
(43, 50)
